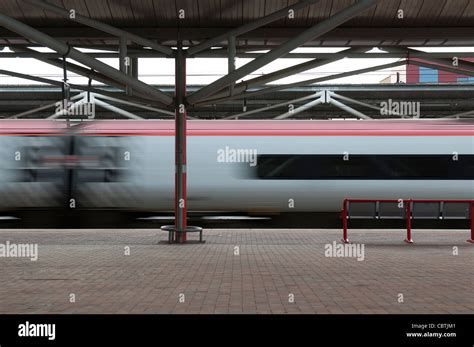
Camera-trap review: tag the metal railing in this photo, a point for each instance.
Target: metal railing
(408, 209)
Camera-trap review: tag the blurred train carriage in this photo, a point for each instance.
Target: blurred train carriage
(129, 165)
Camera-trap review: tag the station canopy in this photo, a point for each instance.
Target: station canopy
(262, 30)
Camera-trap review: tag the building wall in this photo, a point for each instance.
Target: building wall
(416, 74)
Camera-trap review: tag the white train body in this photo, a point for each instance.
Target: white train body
(245, 166)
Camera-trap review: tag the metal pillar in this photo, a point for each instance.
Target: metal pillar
(123, 55)
(344, 221)
(132, 71)
(231, 61)
(180, 146)
(177, 232)
(408, 220)
(134, 67)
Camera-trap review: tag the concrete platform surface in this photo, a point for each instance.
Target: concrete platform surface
(237, 271)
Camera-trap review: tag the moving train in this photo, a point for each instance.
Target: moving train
(232, 166)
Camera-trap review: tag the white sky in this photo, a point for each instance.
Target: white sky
(206, 70)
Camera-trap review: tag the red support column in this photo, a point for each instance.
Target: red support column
(471, 240)
(344, 222)
(180, 146)
(408, 219)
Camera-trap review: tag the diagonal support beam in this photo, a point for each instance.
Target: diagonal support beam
(71, 67)
(326, 97)
(289, 71)
(348, 109)
(302, 108)
(101, 26)
(101, 92)
(41, 38)
(307, 35)
(248, 113)
(249, 27)
(307, 82)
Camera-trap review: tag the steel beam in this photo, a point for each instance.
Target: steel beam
(357, 102)
(309, 34)
(116, 109)
(30, 77)
(231, 61)
(249, 26)
(35, 110)
(380, 36)
(133, 53)
(289, 71)
(302, 108)
(47, 81)
(262, 109)
(82, 72)
(305, 82)
(144, 107)
(349, 109)
(103, 93)
(47, 41)
(71, 67)
(134, 67)
(123, 55)
(101, 26)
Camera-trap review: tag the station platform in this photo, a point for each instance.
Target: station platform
(238, 271)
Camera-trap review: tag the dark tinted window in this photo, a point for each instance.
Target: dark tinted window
(310, 167)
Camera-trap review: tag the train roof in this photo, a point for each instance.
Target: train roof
(419, 127)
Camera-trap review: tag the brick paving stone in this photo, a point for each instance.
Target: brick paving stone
(272, 265)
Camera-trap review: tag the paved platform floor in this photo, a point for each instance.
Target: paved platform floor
(267, 270)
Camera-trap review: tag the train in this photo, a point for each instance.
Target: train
(233, 166)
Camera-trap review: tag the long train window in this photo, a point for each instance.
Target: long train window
(315, 166)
